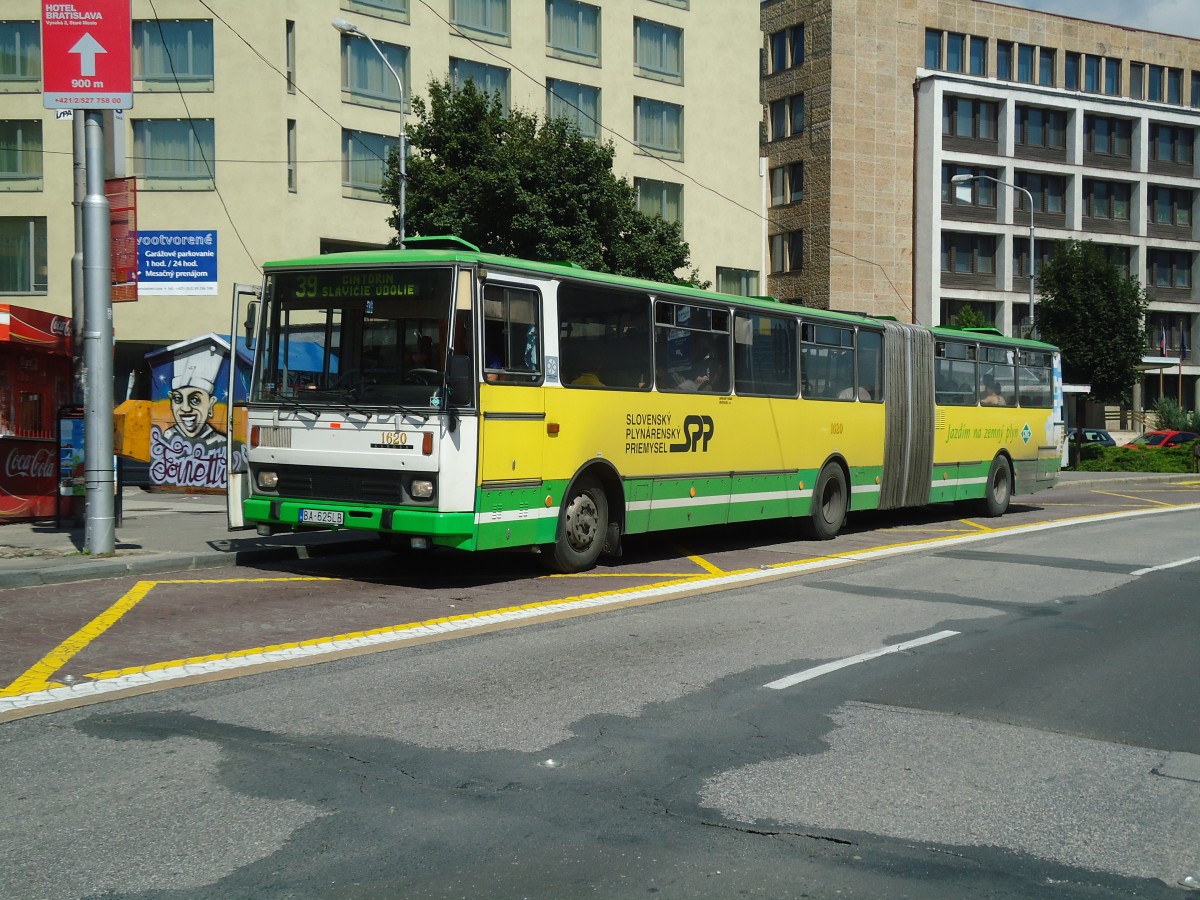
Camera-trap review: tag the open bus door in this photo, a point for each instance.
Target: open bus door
(236, 470)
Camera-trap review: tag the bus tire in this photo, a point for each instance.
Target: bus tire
(582, 526)
(998, 490)
(830, 500)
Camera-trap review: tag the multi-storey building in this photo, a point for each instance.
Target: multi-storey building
(873, 108)
(261, 129)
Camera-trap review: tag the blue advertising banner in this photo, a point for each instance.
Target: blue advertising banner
(177, 262)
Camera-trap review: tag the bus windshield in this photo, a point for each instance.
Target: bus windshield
(362, 338)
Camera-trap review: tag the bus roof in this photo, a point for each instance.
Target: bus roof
(448, 250)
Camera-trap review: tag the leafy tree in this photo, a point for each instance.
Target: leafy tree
(970, 317)
(1094, 311)
(513, 184)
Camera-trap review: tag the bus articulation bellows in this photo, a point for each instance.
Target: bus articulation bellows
(438, 395)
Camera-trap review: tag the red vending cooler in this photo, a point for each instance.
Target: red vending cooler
(35, 382)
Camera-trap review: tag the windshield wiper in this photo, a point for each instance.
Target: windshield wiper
(292, 403)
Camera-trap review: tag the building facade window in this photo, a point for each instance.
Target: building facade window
(173, 54)
(787, 116)
(392, 9)
(1106, 136)
(787, 184)
(968, 254)
(1137, 80)
(488, 79)
(23, 264)
(663, 199)
(1071, 64)
(20, 56)
(1172, 143)
(1112, 76)
(20, 155)
(658, 50)
(980, 193)
(486, 18)
(658, 127)
(364, 162)
(1045, 250)
(1170, 269)
(787, 48)
(1049, 192)
(292, 179)
(978, 60)
(956, 52)
(1169, 206)
(1194, 96)
(933, 49)
(1044, 128)
(1175, 86)
(1106, 199)
(175, 154)
(365, 79)
(577, 103)
(1091, 73)
(968, 118)
(289, 54)
(1025, 62)
(740, 282)
(1154, 83)
(787, 251)
(1047, 60)
(573, 29)
(1004, 60)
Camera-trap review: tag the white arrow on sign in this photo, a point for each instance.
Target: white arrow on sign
(87, 47)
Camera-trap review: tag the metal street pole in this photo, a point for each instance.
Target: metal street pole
(77, 302)
(346, 27)
(100, 535)
(966, 179)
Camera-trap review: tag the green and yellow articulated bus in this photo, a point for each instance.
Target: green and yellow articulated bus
(440, 396)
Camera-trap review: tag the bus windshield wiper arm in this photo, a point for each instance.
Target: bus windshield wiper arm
(293, 403)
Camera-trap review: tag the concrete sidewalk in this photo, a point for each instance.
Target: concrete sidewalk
(159, 532)
(172, 532)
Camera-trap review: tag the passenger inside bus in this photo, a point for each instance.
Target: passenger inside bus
(992, 395)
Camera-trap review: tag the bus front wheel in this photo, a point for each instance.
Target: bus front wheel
(582, 525)
(830, 500)
(998, 490)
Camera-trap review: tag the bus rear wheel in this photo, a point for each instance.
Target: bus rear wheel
(582, 525)
(830, 501)
(998, 490)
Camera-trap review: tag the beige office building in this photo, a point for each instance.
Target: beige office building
(257, 132)
(872, 108)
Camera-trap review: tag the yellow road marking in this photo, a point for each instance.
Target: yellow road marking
(387, 629)
(624, 575)
(1128, 497)
(976, 525)
(37, 677)
(707, 566)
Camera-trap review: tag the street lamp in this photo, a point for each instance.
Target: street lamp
(350, 28)
(966, 179)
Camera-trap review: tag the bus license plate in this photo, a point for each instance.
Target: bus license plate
(322, 516)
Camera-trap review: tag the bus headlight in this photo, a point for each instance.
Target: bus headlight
(268, 480)
(421, 489)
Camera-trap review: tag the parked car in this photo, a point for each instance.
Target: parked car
(1086, 436)
(1162, 438)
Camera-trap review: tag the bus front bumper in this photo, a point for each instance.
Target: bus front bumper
(456, 529)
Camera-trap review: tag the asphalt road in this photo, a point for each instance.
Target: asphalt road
(1044, 741)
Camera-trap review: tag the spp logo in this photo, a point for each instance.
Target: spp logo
(696, 429)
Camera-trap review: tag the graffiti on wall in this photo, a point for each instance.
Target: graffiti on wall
(188, 447)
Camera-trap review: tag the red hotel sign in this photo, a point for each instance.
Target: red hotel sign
(86, 54)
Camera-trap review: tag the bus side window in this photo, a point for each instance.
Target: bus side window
(511, 351)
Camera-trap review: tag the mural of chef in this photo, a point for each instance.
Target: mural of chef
(193, 397)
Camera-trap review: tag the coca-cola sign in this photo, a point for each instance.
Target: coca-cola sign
(32, 463)
(28, 478)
